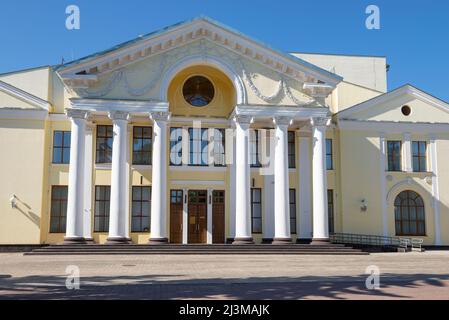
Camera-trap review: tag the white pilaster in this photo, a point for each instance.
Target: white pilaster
(383, 183)
(243, 233)
(408, 166)
(118, 213)
(304, 223)
(319, 175)
(435, 190)
(75, 200)
(281, 184)
(159, 178)
(88, 181)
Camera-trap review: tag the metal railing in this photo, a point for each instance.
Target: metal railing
(365, 240)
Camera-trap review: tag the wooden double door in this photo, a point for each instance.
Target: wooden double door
(197, 205)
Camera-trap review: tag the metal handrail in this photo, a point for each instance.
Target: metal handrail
(368, 240)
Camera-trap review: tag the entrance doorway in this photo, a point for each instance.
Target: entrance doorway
(218, 217)
(176, 197)
(197, 219)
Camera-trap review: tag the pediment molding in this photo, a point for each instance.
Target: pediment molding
(24, 96)
(86, 72)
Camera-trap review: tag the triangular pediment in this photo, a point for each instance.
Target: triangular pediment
(12, 97)
(86, 72)
(392, 106)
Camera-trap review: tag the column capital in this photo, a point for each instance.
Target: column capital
(320, 121)
(77, 114)
(160, 116)
(243, 119)
(118, 115)
(282, 120)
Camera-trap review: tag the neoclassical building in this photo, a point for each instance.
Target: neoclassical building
(200, 134)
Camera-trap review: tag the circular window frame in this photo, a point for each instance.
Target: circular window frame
(406, 110)
(198, 75)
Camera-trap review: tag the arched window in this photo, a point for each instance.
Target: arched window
(409, 214)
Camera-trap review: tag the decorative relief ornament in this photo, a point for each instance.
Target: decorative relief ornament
(118, 115)
(76, 114)
(160, 116)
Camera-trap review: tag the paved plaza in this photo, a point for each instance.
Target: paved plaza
(403, 276)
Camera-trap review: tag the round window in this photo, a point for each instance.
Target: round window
(198, 91)
(406, 110)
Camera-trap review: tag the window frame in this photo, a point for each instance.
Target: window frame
(292, 205)
(200, 141)
(291, 141)
(330, 156)
(142, 139)
(103, 153)
(141, 214)
(253, 203)
(255, 143)
(409, 221)
(420, 156)
(223, 143)
(394, 157)
(61, 215)
(62, 147)
(331, 210)
(106, 209)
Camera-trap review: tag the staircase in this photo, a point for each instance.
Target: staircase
(257, 249)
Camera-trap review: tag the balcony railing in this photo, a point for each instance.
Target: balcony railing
(375, 241)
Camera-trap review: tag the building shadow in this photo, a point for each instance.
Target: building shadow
(393, 286)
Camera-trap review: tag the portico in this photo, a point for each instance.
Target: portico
(308, 123)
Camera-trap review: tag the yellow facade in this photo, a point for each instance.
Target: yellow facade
(360, 124)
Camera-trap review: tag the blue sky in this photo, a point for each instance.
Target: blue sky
(414, 35)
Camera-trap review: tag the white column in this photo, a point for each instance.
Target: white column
(268, 198)
(320, 214)
(88, 163)
(159, 179)
(408, 166)
(304, 226)
(281, 184)
(118, 213)
(75, 200)
(243, 233)
(230, 159)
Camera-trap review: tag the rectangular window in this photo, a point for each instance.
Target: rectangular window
(104, 144)
(175, 146)
(256, 210)
(254, 148)
(142, 145)
(199, 143)
(330, 210)
(292, 200)
(102, 201)
(419, 151)
(58, 213)
(291, 150)
(141, 209)
(219, 148)
(61, 147)
(394, 155)
(329, 156)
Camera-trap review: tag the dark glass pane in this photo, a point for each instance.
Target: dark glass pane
(136, 193)
(198, 91)
(146, 193)
(57, 142)
(57, 155)
(66, 155)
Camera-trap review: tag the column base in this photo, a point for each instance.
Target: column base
(239, 241)
(303, 241)
(156, 241)
(121, 240)
(229, 240)
(320, 242)
(74, 240)
(267, 240)
(282, 241)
